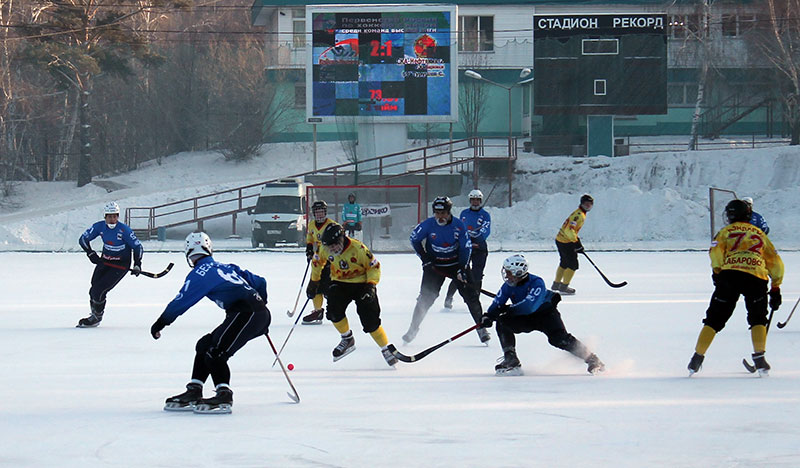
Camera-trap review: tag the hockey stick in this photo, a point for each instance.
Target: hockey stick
(783, 324)
(483, 291)
(750, 367)
(290, 332)
(143, 273)
(290, 313)
(608, 282)
(402, 357)
(295, 398)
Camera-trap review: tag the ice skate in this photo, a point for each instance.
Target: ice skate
(565, 290)
(314, 318)
(345, 347)
(509, 365)
(221, 403)
(448, 302)
(695, 364)
(484, 335)
(186, 400)
(556, 286)
(761, 364)
(410, 335)
(595, 364)
(390, 358)
(91, 321)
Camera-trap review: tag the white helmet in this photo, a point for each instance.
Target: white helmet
(111, 208)
(476, 194)
(749, 201)
(197, 243)
(515, 269)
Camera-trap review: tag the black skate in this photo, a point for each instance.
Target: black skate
(91, 321)
(345, 347)
(509, 365)
(595, 364)
(484, 335)
(186, 400)
(761, 364)
(565, 290)
(221, 403)
(695, 364)
(390, 358)
(314, 318)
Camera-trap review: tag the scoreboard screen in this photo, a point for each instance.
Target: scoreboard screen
(382, 63)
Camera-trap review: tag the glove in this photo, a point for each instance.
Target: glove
(462, 275)
(93, 257)
(156, 328)
(136, 270)
(486, 321)
(369, 292)
(578, 247)
(427, 265)
(311, 290)
(358, 226)
(309, 251)
(774, 298)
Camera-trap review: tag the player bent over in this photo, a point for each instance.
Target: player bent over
(319, 209)
(532, 307)
(119, 242)
(243, 296)
(742, 260)
(569, 246)
(355, 273)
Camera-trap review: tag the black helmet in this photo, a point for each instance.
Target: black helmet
(319, 205)
(442, 203)
(332, 234)
(587, 198)
(737, 210)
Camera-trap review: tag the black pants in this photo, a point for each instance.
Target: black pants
(547, 321)
(478, 264)
(341, 294)
(432, 280)
(730, 285)
(244, 321)
(104, 279)
(567, 254)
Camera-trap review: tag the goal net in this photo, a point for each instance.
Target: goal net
(717, 199)
(388, 212)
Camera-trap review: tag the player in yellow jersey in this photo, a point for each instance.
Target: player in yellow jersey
(355, 273)
(743, 260)
(569, 246)
(319, 210)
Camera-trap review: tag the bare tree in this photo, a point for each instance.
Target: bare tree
(474, 97)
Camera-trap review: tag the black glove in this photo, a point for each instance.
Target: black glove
(369, 292)
(156, 328)
(311, 290)
(486, 321)
(93, 257)
(774, 298)
(309, 251)
(578, 247)
(462, 275)
(427, 264)
(136, 270)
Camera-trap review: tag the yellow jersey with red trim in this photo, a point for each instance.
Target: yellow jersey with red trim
(743, 247)
(315, 231)
(569, 230)
(355, 264)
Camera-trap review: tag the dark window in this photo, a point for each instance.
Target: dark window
(278, 204)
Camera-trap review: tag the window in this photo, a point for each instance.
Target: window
(599, 87)
(600, 46)
(682, 95)
(736, 25)
(300, 96)
(298, 28)
(476, 33)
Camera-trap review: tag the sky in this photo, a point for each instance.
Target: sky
(94, 397)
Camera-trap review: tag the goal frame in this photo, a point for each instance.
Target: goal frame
(716, 196)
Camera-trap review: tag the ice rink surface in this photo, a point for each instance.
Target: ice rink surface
(93, 397)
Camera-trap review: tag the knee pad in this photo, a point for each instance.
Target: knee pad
(215, 355)
(203, 344)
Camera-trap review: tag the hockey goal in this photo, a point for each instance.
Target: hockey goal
(717, 199)
(388, 212)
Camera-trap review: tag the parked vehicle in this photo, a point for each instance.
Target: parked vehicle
(280, 214)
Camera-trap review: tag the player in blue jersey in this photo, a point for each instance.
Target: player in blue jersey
(479, 226)
(533, 307)
(243, 296)
(756, 219)
(119, 244)
(443, 245)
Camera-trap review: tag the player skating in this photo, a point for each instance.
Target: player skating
(479, 226)
(532, 308)
(742, 261)
(351, 215)
(755, 218)
(119, 242)
(319, 210)
(355, 273)
(569, 246)
(243, 296)
(442, 243)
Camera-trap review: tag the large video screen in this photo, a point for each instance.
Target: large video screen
(382, 63)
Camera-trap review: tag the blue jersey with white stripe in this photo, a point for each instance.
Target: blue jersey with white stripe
(479, 226)
(118, 243)
(526, 297)
(446, 245)
(223, 283)
(758, 221)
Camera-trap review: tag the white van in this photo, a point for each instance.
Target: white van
(280, 214)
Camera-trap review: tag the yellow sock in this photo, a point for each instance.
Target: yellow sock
(707, 335)
(317, 301)
(759, 336)
(379, 336)
(559, 274)
(342, 326)
(568, 274)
